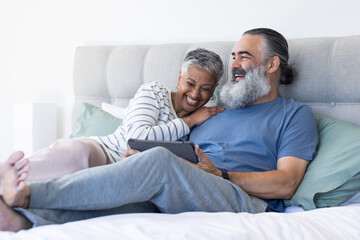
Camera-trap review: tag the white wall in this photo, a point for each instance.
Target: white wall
(38, 37)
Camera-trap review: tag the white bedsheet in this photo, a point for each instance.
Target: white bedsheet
(327, 223)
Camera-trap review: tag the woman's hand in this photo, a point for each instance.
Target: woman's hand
(201, 115)
(129, 152)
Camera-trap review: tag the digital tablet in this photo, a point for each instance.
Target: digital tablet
(184, 149)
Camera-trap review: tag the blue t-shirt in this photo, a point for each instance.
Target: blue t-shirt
(253, 138)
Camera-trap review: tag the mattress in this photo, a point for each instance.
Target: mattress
(326, 223)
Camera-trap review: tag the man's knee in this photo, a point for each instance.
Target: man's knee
(158, 157)
(160, 153)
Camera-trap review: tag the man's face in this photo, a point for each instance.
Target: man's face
(249, 82)
(247, 54)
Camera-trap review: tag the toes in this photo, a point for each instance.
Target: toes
(15, 156)
(24, 170)
(22, 177)
(20, 186)
(22, 163)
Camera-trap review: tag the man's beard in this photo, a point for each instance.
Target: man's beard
(239, 94)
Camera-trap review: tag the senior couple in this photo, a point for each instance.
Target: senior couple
(252, 155)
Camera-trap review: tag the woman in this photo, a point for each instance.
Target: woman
(155, 113)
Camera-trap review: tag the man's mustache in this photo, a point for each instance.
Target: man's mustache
(238, 71)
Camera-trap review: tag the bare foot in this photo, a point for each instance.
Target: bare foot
(11, 220)
(13, 175)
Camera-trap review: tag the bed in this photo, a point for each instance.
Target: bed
(326, 204)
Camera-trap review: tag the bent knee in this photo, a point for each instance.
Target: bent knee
(77, 152)
(96, 154)
(159, 155)
(160, 151)
(74, 146)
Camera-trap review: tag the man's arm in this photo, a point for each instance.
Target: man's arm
(277, 184)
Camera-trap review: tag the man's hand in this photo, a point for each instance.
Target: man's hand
(205, 162)
(129, 152)
(276, 184)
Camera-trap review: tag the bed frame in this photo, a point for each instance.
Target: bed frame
(327, 78)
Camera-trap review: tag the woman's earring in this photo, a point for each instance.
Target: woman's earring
(177, 86)
(213, 97)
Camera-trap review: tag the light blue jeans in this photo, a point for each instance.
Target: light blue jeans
(152, 181)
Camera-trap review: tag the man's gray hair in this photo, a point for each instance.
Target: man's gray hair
(204, 59)
(275, 45)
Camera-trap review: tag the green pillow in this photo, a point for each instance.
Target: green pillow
(333, 176)
(340, 194)
(92, 121)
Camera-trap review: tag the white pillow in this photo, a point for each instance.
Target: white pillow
(116, 111)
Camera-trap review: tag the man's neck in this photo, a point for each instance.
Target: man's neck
(269, 97)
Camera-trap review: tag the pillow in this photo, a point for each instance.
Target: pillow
(92, 121)
(116, 111)
(333, 176)
(340, 194)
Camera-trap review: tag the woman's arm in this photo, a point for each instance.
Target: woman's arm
(145, 117)
(201, 115)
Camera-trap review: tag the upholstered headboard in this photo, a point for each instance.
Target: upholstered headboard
(327, 79)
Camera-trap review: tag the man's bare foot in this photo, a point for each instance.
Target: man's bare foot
(11, 220)
(13, 175)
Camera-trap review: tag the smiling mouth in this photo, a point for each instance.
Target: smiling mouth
(238, 77)
(191, 101)
(238, 74)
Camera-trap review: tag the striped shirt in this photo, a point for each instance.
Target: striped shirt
(150, 116)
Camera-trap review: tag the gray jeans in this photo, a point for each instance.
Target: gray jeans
(152, 181)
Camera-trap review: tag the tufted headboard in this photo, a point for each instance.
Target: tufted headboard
(327, 72)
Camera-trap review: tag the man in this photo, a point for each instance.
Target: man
(253, 155)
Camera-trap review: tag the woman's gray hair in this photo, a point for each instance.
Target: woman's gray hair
(275, 45)
(204, 59)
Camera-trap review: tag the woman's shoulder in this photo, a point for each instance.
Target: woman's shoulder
(155, 87)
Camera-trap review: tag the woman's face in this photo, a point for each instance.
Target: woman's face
(196, 86)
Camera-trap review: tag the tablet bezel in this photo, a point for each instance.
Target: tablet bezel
(183, 149)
